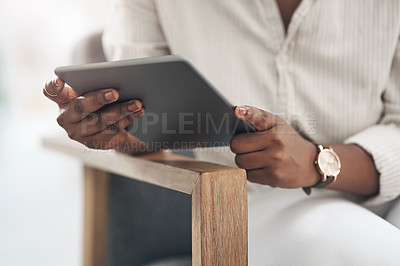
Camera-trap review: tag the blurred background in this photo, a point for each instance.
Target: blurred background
(40, 190)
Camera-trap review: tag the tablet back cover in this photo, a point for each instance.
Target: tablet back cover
(183, 110)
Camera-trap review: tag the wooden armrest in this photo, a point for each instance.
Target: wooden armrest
(163, 169)
(219, 195)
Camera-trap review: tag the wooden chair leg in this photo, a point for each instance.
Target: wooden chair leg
(96, 190)
(219, 219)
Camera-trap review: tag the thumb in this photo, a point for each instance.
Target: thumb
(260, 119)
(56, 91)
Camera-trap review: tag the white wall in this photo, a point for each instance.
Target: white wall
(40, 190)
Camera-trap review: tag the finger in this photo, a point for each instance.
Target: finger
(127, 143)
(123, 114)
(126, 121)
(251, 161)
(83, 106)
(115, 138)
(100, 141)
(56, 91)
(256, 175)
(259, 176)
(257, 141)
(119, 140)
(247, 142)
(260, 119)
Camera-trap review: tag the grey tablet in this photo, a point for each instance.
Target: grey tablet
(183, 110)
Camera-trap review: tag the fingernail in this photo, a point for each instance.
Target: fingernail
(51, 89)
(109, 96)
(242, 111)
(132, 106)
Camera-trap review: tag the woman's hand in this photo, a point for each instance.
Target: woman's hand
(88, 120)
(276, 155)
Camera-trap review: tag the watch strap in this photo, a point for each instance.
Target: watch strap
(320, 184)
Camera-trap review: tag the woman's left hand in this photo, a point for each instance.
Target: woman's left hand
(276, 155)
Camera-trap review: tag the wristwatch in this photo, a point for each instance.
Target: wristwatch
(328, 165)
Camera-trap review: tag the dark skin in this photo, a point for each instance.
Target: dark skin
(84, 122)
(279, 157)
(276, 155)
(287, 8)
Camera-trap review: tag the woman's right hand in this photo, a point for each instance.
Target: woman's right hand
(84, 122)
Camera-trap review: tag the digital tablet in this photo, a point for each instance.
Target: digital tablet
(182, 109)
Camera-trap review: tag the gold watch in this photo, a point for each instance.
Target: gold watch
(328, 165)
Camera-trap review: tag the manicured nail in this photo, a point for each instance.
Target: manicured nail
(56, 83)
(132, 106)
(109, 96)
(242, 111)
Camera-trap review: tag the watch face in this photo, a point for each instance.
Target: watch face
(329, 162)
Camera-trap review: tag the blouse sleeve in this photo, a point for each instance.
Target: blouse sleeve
(382, 141)
(133, 31)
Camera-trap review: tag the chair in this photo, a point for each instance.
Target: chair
(160, 207)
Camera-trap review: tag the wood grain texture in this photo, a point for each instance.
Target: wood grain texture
(96, 191)
(219, 219)
(219, 199)
(163, 169)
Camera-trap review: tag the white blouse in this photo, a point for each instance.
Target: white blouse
(334, 76)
